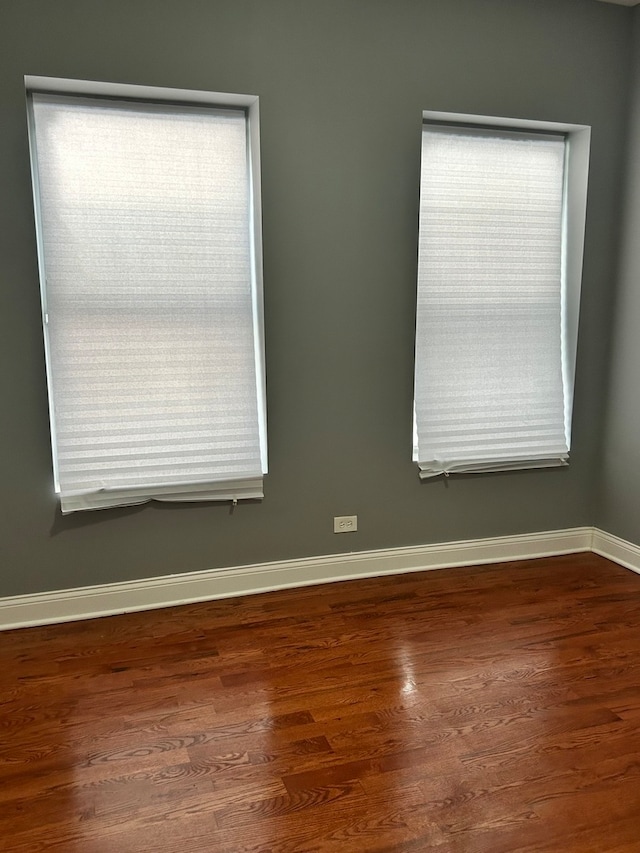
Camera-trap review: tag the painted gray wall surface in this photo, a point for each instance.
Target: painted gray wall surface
(342, 85)
(619, 509)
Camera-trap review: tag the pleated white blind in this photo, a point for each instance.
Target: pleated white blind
(152, 325)
(489, 384)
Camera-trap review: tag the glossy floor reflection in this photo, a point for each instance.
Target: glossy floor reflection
(484, 710)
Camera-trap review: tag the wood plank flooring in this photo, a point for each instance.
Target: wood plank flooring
(484, 710)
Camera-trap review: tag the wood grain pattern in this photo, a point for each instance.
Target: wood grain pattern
(484, 710)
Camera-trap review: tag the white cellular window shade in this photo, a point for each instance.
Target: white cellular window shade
(149, 247)
(495, 329)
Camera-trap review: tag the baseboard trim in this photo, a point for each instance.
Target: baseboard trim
(619, 550)
(108, 599)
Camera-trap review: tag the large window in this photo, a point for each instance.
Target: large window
(148, 225)
(502, 207)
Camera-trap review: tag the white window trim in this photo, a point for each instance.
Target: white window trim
(578, 142)
(240, 489)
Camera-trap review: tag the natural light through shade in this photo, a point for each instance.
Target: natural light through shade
(146, 241)
(489, 390)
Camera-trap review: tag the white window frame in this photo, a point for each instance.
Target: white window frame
(578, 140)
(249, 105)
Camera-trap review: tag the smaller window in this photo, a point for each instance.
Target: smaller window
(148, 224)
(502, 212)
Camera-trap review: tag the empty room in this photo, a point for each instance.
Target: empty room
(320, 502)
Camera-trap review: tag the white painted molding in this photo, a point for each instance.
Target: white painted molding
(108, 599)
(619, 550)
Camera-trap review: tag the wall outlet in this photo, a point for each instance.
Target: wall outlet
(345, 523)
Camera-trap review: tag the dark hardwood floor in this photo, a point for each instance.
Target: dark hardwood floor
(483, 710)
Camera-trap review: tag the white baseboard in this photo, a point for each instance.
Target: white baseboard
(107, 599)
(619, 550)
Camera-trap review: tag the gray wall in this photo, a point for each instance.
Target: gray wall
(342, 86)
(619, 508)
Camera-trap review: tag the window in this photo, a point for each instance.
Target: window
(148, 224)
(502, 212)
